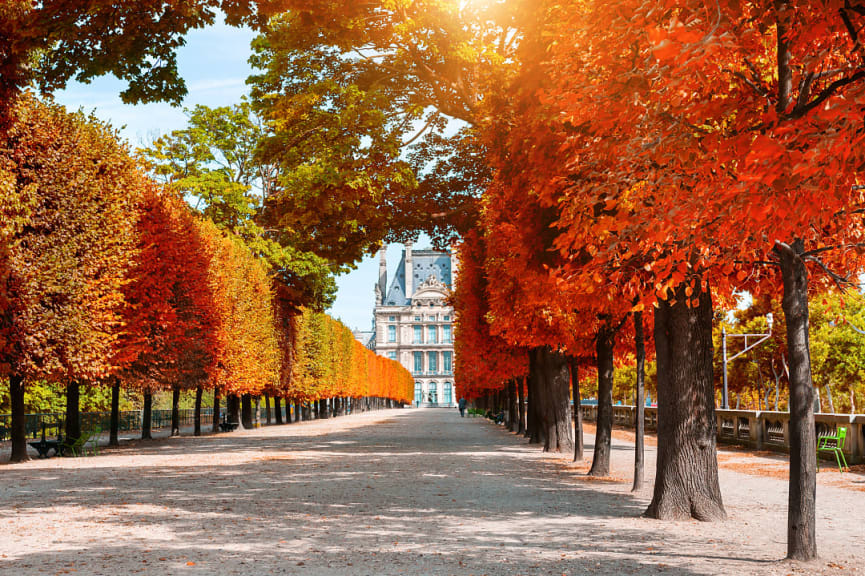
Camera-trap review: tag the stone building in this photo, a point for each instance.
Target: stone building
(413, 323)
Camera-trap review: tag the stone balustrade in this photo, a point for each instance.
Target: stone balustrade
(760, 430)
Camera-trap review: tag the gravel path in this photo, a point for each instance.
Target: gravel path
(412, 492)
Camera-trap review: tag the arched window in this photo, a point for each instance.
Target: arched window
(418, 392)
(447, 395)
(432, 395)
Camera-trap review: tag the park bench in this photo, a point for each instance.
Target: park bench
(835, 445)
(228, 426)
(44, 446)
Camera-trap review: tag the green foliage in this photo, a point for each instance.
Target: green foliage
(375, 111)
(213, 163)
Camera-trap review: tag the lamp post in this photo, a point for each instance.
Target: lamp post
(724, 336)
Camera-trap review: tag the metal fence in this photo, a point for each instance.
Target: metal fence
(53, 422)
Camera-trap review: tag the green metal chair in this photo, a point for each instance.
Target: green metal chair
(835, 445)
(89, 439)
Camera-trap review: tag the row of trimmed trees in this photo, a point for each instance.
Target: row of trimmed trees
(649, 163)
(107, 279)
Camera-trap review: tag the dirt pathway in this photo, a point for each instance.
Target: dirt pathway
(403, 492)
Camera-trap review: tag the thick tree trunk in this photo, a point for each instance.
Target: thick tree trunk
(801, 513)
(175, 411)
(114, 432)
(640, 404)
(521, 405)
(19, 416)
(574, 366)
(604, 424)
(232, 408)
(197, 417)
(686, 481)
(277, 409)
(322, 409)
(73, 412)
(554, 406)
(256, 411)
(246, 411)
(267, 418)
(216, 411)
(147, 417)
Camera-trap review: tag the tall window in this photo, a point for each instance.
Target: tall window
(418, 362)
(433, 393)
(446, 337)
(418, 392)
(432, 334)
(391, 333)
(447, 366)
(432, 361)
(447, 397)
(392, 354)
(418, 334)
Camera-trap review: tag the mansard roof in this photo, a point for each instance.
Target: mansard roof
(425, 263)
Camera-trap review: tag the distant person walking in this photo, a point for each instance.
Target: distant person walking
(462, 405)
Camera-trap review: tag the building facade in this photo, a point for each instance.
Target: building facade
(413, 323)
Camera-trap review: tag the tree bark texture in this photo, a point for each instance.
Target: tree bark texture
(512, 405)
(216, 411)
(554, 408)
(114, 431)
(19, 426)
(277, 409)
(533, 429)
(73, 412)
(232, 408)
(574, 366)
(147, 416)
(197, 417)
(246, 411)
(604, 425)
(801, 512)
(686, 481)
(267, 417)
(640, 417)
(521, 405)
(175, 411)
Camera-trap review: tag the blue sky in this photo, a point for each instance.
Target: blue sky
(214, 65)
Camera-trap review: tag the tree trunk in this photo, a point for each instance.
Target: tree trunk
(554, 406)
(604, 343)
(19, 416)
(521, 400)
(147, 417)
(232, 409)
(640, 407)
(574, 366)
(246, 411)
(532, 427)
(114, 432)
(322, 408)
(267, 418)
(216, 411)
(830, 398)
(277, 409)
(512, 405)
(801, 513)
(686, 481)
(175, 411)
(198, 394)
(73, 412)
(256, 412)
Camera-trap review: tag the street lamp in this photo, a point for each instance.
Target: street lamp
(752, 345)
